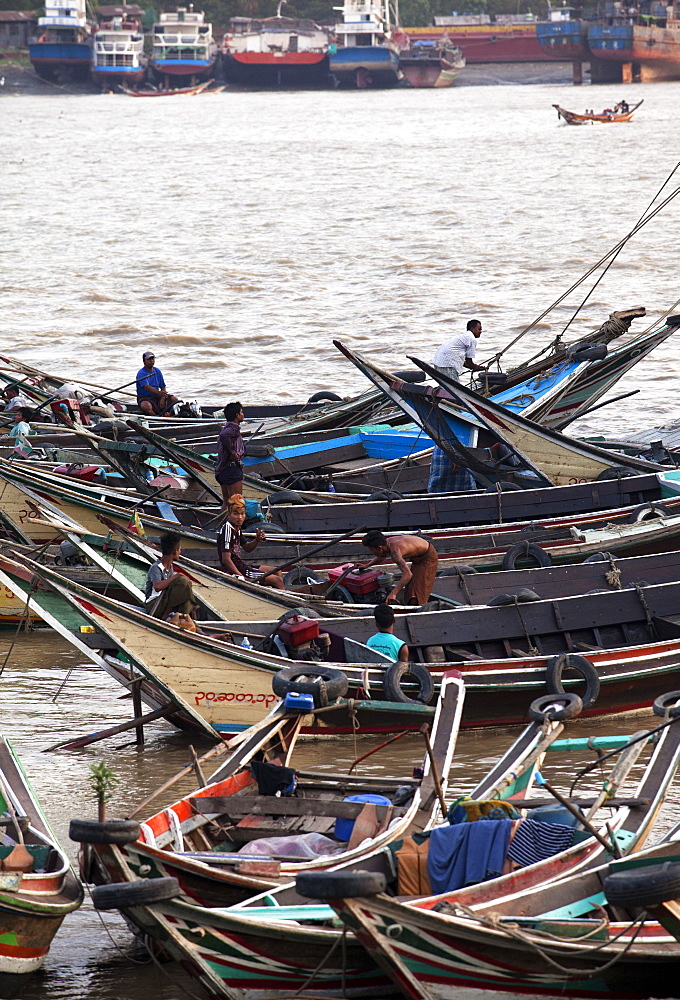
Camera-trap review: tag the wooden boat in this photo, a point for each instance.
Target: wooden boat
(471, 939)
(38, 888)
(201, 88)
(215, 839)
(573, 118)
(506, 654)
(278, 948)
(263, 952)
(431, 64)
(551, 455)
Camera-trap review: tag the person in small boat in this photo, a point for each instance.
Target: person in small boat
(167, 591)
(385, 641)
(22, 427)
(230, 452)
(153, 397)
(14, 398)
(417, 578)
(230, 545)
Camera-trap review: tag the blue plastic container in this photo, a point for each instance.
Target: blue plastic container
(344, 827)
(296, 702)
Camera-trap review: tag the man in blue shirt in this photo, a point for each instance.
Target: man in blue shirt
(152, 396)
(385, 641)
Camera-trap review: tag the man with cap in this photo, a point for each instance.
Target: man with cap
(14, 398)
(152, 396)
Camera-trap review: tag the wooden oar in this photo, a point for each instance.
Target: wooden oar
(320, 548)
(425, 730)
(542, 783)
(618, 774)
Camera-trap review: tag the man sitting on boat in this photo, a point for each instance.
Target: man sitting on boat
(167, 591)
(384, 640)
(14, 398)
(152, 396)
(418, 578)
(230, 544)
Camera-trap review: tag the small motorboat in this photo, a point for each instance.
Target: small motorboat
(621, 112)
(201, 88)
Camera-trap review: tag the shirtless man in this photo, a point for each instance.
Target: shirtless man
(418, 578)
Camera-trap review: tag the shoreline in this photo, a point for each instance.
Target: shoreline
(24, 81)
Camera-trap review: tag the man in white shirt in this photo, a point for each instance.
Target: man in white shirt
(14, 398)
(457, 353)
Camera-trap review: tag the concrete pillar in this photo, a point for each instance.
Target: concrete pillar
(577, 72)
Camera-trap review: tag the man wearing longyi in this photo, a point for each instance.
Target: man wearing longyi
(418, 578)
(152, 396)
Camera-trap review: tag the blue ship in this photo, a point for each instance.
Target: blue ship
(366, 54)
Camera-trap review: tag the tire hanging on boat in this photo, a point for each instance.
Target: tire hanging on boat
(573, 661)
(337, 885)
(644, 887)
(327, 685)
(546, 708)
(113, 831)
(119, 895)
(394, 676)
(526, 550)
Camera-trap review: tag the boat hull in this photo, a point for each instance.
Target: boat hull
(564, 40)
(428, 72)
(184, 69)
(491, 43)
(365, 66)
(653, 52)
(109, 76)
(285, 69)
(67, 59)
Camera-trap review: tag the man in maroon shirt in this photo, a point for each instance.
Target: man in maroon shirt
(230, 450)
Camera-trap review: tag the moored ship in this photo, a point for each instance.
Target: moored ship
(276, 52)
(118, 55)
(562, 36)
(431, 64)
(62, 49)
(366, 54)
(510, 38)
(643, 41)
(183, 47)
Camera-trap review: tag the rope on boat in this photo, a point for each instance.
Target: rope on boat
(495, 922)
(35, 583)
(533, 651)
(613, 577)
(639, 590)
(341, 940)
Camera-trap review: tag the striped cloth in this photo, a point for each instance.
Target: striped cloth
(447, 477)
(536, 841)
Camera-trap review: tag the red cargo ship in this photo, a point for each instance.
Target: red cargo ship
(509, 39)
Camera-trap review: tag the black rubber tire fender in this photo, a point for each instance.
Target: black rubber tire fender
(335, 683)
(284, 497)
(665, 705)
(411, 375)
(506, 487)
(384, 495)
(259, 450)
(599, 557)
(545, 708)
(526, 550)
(653, 509)
(325, 396)
(522, 596)
(617, 472)
(113, 831)
(121, 895)
(587, 352)
(302, 610)
(300, 575)
(455, 570)
(340, 884)
(269, 528)
(395, 674)
(643, 887)
(573, 661)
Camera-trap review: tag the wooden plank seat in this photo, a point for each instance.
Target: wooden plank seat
(269, 805)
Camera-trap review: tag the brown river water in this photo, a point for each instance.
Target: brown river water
(238, 235)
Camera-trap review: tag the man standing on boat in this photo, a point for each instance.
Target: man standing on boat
(152, 396)
(230, 452)
(451, 358)
(458, 352)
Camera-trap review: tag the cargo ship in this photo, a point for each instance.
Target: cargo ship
(276, 52)
(509, 38)
(563, 36)
(644, 42)
(62, 49)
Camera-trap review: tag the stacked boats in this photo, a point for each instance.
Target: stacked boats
(556, 597)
